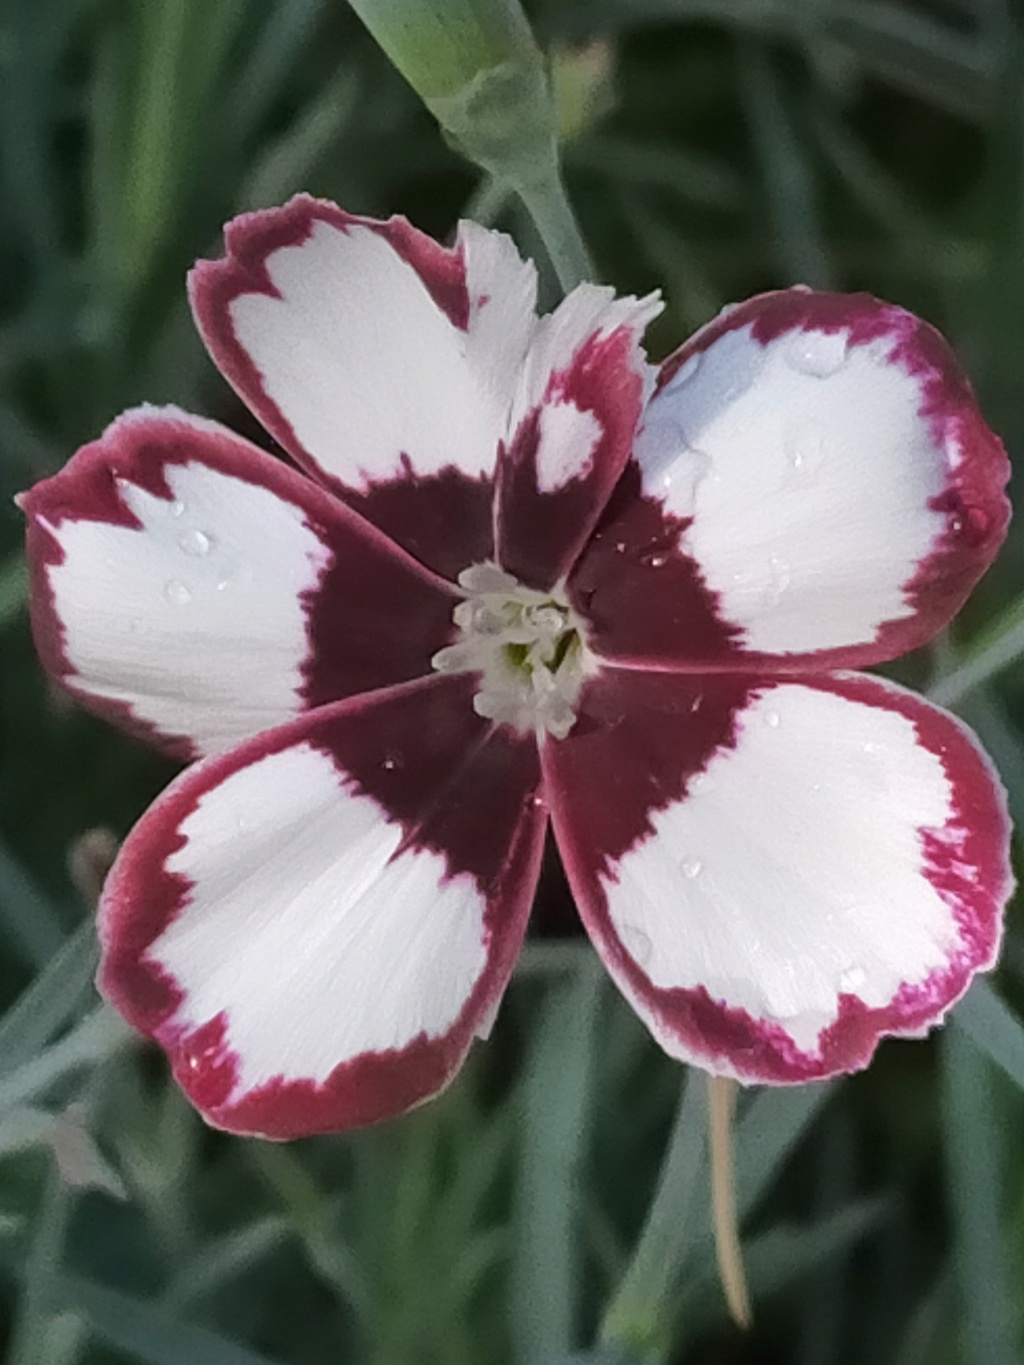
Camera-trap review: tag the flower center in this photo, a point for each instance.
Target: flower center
(527, 647)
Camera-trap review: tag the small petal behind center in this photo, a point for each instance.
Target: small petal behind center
(527, 646)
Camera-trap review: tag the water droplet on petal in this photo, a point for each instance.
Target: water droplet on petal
(691, 868)
(818, 354)
(637, 944)
(972, 523)
(700, 782)
(767, 585)
(683, 474)
(177, 592)
(780, 575)
(654, 560)
(238, 576)
(772, 719)
(392, 761)
(686, 370)
(177, 508)
(195, 543)
(804, 447)
(852, 979)
(198, 1051)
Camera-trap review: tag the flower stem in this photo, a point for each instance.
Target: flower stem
(488, 200)
(548, 205)
(721, 1109)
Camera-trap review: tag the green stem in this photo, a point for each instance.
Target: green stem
(488, 201)
(548, 205)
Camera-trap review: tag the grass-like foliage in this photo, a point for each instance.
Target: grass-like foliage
(717, 147)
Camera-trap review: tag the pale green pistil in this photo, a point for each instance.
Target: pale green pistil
(527, 647)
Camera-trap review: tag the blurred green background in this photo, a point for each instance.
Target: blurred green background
(712, 148)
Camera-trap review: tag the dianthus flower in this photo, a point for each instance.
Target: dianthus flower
(525, 580)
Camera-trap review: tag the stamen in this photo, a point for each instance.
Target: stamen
(527, 646)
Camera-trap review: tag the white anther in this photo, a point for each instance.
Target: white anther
(527, 646)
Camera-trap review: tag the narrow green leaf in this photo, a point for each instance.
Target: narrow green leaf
(96, 1038)
(556, 1100)
(782, 1257)
(23, 1128)
(642, 1310)
(829, 1294)
(36, 1308)
(555, 956)
(906, 48)
(57, 995)
(785, 1255)
(287, 28)
(29, 100)
(485, 1153)
(151, 1335)
(153, 158)
(877, 191)
(312, 1219)
(694, 177)
(224, 1259)
(932, 1328)
(693, 295)
(108, 129)
(13, 588)
(768, 1132)
(787, 175)
(27, 917)
(287, 163)
(971, 1125)
(28, 453)
(993, 1029)
(998, 646)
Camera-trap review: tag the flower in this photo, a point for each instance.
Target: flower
(523, 579)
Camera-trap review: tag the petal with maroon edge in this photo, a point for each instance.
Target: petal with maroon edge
(573, 422)
(380, 360)
(778, 873)
(813, 484)
(195, 590)
(317, 925)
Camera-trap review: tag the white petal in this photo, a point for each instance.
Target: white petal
(502, 290)
(840, 487)
(834, 869)
(334, 331)
(340, 916)
(318, 924)
(180, 575)
(590, 311)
